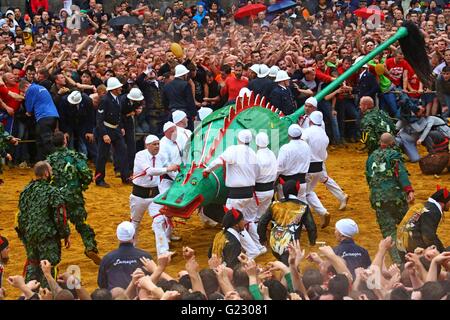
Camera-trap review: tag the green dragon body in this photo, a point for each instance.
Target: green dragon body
(219, 130)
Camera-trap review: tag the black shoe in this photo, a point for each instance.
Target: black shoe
(102, 184)
(127, 182)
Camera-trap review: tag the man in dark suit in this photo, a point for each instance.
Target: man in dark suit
(419, 227)
(367, 83)
(77, 122)
(281, 96)
(154, 114)
(109, 132)
(261, 85)
(130, 106)
(177, 95)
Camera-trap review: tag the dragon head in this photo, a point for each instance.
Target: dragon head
(189, 191)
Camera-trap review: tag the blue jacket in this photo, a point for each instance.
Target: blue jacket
(117, 266)
(39, 101)
(354, 255)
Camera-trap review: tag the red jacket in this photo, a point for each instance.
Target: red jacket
(323, 76)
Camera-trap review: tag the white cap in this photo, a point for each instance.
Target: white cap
(180, 70)
(359, 59)
(135, 94)
(9, 12)
(262, 140)
(273, 71)
(312, 101)
(263, 71)
(316, 117)
(168, 125)
(347, 227)
(125, 231)
(151, 138)
(255, 68)
(74, 97)
(113, 83)
(178, 115)
(282, 76)
(294, 131)
(244, 92)
(245, 136)
(203, 112)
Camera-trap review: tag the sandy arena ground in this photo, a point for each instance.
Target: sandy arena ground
(108, 207)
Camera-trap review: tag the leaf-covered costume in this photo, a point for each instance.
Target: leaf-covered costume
(72, 176)
(41, 224)
(4, 143)
(373, 125)
(388, 183)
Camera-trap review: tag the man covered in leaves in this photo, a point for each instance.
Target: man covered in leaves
(5, 140)
(390, 188)
(373, 124)
(72, 176)
(42, 223)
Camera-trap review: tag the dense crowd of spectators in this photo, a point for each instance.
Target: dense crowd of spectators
(77, 49)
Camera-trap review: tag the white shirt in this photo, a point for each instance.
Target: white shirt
(183, 136)
(153, 166)
(236, 234)
(318, 142)
(267, 166)
(438, 70)
(171, 152)
(240, 165)
(436, 204)
(304, 122)
(293, 158)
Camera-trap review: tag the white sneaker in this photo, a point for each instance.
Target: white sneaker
(344, 202)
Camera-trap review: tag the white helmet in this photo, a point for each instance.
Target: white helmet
(113, 83)
(180, 70)
(135, 94)
(282, 76)
(203, 112)
(263, 71)
(74, 97)
(273, 71)
(255, 69)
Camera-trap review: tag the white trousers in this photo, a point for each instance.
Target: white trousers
(251, 245)
(164, 185)
(160, 225)
(332, 186)
(312, 199)
(264, 200)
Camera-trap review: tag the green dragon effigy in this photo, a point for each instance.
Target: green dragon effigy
(219, 130)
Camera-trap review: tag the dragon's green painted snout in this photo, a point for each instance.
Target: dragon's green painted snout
(191, 190)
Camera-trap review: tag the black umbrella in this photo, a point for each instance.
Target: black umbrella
(122, 20)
